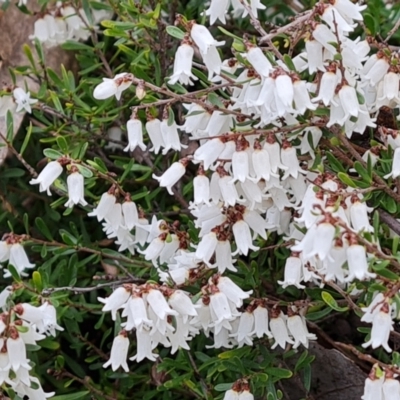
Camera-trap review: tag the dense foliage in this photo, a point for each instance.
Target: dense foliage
(195, 202)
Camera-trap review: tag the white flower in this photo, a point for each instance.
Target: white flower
(119, 352)
(391, 389)
(240, 165)
(183, 66)
(153, 128)
(298, 329)
(231, 395)
(130, 213)
(181, 302)
(135, 135)
(259, 61)
(136, 313)
(241, 232)
(217, 10)
(395, 165)
(46, 178)
(115, 301)
(279, 331)
(203, 38)
(206, 247)
(327, 87)
(212, 61)
(158, 304)
(373, 387)
(75, 183)
(223, 256)
(293, 272)
(112, 87)
(261, 322)
(18, 259)
(16, 350)
(357, 262)
(170, 136)
(106, 203)
(144, 346)
(246, 395)
(201, 189)
(209, 152)
(171, 175)
(359, 216)
(314, 56)
(232, 291)
(382, 325)
(23, 100)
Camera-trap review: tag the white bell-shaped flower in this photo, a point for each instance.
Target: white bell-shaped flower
(115, 301)
(16, 350)
(241, 232)
(259, 61)
(223, 257)
(231, 395)
(298, 329)
(373, 388)
(19, 259)
(279, 331)
(158, 304)
(119, 352)
(171, 175)
(201, 189)
(217, 10)
(144, 346)
(48, 175)
(357, 263)
(181, 302)
(203, 38)
(315, 59)
(135, 135)
(136, 312)
(206, 247)
(395, 165)
(76, 191)
(130, 213)
(382, 325)
(153, 128)
(293, 274)
(391, 389)
(232, 291)
(106, 203)
(261, 322)
(112, 87)
(183, 65)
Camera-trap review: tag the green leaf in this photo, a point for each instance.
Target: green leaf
(280, 373)
(288, 61)
(71, 396)
(53, 154)
(62, 144)
(21, 328)
(362, 171)
(12, 173)
(331, 302)
(26, 139)
(10, 126)
(175, 32)
(44, 230)
(37, 281)
(346, 179)
(86, 172)
(223, 387)
(14, 273)
(171, 117)
(215, 100)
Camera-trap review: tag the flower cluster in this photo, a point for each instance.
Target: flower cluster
(381, 385)
(64, 22)
(12, 251)
(22, 325)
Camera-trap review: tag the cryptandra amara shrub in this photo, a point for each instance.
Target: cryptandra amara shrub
(223, 177)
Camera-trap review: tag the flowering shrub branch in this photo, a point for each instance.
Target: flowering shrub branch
(200, 197)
